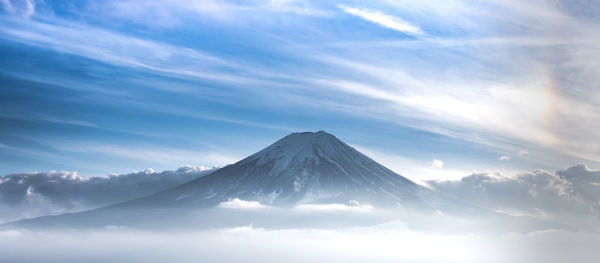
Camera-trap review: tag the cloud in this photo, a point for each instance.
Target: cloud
(42, 193)
(237, 203)
(7, 6)
(148, 153)
(178, 13)
(122, 49)
(389, 242)
(477, 79)
(24, 8)
(371, 244)
(416, 170)
(387, 21)
(497, 101)
(504, 158)
(439, 164)
(567, 195)
(10, 233)
(351, 206)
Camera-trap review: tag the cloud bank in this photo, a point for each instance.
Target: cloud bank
(36, 194)
(389, 242)
(567, 195)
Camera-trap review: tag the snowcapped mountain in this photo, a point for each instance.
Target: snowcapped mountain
(298, 169)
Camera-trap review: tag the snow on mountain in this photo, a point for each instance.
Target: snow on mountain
(301, 168)
(309, 172)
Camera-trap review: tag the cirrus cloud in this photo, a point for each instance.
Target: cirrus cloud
(385, 20)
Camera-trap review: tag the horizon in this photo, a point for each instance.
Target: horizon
(417, 179)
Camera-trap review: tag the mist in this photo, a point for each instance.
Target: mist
(389, 241)
(532, 228)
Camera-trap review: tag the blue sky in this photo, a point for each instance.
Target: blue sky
(432, 89)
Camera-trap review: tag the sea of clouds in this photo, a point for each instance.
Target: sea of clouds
(28, 195)
(553, 219)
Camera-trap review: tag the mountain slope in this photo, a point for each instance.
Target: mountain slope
(300, 168)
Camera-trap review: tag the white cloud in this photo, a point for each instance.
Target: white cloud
(367, 244)
(296, 7)
(44, 193)
(29, 8)
(145, 153)
(387, 21)
(570, 195)
(416, 170)
(10, 233)
(178, 13)
(124, 50)
(389, 242)
(532, 105)
(351, 206)
(7, 6)
(237, 203)
(24, 8)
(439, 164)
(504, 158)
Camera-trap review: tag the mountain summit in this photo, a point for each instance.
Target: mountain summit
(300, 168)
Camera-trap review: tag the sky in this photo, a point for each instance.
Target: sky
(430, 89)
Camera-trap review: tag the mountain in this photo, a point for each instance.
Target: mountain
(300, 168)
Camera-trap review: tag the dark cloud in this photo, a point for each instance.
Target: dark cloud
(573, 193)
(35, 194)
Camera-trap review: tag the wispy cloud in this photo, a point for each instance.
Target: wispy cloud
(148, 153)
(125, 50)
(46, 118)
(177, 13)
(438, 164)
(351, 206)
(504, 158)
(25, 8)
(387, 21)
(475, 77)
(237, 203)
(529, 109)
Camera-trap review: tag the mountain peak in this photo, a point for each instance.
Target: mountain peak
(305, 167)
(308, 135)
(301, 147)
